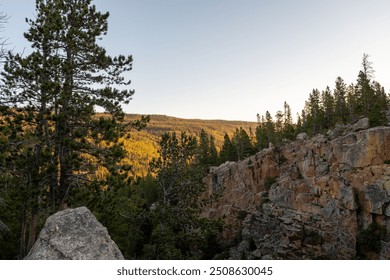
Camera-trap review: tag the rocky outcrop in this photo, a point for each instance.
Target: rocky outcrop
(363, 123)
(74, 234)
(308, 199)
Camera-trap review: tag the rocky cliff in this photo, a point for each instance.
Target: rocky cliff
(324, 197)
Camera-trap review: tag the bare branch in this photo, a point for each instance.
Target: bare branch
(3, 41)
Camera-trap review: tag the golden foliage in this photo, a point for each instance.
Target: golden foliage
(142, 146)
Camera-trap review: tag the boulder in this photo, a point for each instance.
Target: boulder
(361, 124)
(388, 115)
(74, 234)
(302, 136)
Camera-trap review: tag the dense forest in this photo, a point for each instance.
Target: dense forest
(56, 151)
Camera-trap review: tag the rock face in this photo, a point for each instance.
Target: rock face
(74, 234)
(308, 199)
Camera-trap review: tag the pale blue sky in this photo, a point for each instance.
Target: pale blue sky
(225, 59)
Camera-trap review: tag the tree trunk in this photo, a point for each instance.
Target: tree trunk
(23, 225)
(32, 232)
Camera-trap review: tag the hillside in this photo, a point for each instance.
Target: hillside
(142, 146)
(160, 124)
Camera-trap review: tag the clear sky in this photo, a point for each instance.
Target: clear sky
(232, 59)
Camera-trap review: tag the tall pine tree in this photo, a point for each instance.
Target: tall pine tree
(53, 93)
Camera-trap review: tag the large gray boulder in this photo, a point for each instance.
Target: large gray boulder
(74, 234)
(302, 136)
(361, 124)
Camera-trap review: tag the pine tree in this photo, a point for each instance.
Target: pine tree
(242, 143)
(54, 92)
(3, 138)
(364, 90)
(288, 126)
(352, 103)
(204, 148)
(269, 129)
(340, 95)
(228, 151)
(278, 127)
(327, 99)
(178, 230)
(314, 112)
(379, 105)
(214, 158)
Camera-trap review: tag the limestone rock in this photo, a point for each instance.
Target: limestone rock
(74, 234)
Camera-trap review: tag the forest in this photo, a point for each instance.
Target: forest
(57, 151)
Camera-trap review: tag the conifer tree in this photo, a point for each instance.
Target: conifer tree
(178, 230)
(364, 90)
(269, 128)
(54, 92)
(328, 109)
(288, 126)
(352, 103)
(314, 113)
(204, 148)
(242, 143)
(377, 113)
(228, 151)
(3, 138)
(340, 95)
(278, 127)
(213, 152)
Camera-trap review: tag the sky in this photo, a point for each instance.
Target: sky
(232, 59)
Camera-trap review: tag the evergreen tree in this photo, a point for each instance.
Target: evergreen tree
(328, 109)
(204, 148)
(228, 151)
(364, 90)
(53, 92)
(214, 158)
(269, 129)
(314, 113)
(278, 127)
(178, 231)
(242, 143)
(3, 139)
(207, 151)
(352, 103)
(288, 126)
(260, 133)
(377, 113)
(340, 96)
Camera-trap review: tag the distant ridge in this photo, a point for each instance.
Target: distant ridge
(160, 124)
(142, 146)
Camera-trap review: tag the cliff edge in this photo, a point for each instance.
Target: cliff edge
(324, 197)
